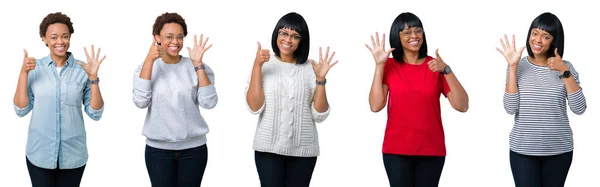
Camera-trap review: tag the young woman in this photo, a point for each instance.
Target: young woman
(289, 94)
(410, 84)
(537, 88)
(54, 88)
(172, 87)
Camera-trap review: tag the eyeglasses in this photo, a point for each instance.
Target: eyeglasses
(410, 32)
(285, 35)
(170, 38)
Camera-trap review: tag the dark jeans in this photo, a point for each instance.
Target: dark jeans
(176, 168)
(413, 171)
(284, 171)
(41, 177)
(540, 171)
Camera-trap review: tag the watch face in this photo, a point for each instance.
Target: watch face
(566, 74)
(447, 70)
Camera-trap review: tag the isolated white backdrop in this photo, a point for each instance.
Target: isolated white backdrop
(465, 32)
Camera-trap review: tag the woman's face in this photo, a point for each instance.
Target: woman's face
(171, 38)
(288, 41)
(411, 38)
(540, 41)
(57, 38)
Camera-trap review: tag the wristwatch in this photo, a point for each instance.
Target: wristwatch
(95, 81)
(447, 70)
(199, 67)
(321, 82)
(565, 74)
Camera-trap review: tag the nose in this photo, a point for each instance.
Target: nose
(288, 39)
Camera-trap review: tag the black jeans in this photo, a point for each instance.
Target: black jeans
(176, 168)
(413, 171)
(41, 177)
(284, 171)
(540, 171)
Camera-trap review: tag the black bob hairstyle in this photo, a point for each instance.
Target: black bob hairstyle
(293, 21)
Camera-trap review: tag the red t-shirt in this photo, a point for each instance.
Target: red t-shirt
(414, 124)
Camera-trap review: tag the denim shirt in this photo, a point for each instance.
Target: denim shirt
(56, 131)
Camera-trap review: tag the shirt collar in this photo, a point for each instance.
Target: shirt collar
(48, 60)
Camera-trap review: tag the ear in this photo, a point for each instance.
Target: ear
(157, 39)
(44, 40)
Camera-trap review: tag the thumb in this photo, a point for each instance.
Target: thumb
(189, 50)
(80, 63)
(390, 50)
(26, 55)
(312, 62)
(556, 53)
(521, 50)
(437, 55)
(259, 47)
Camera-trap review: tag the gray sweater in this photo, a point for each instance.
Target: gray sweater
(173, 120)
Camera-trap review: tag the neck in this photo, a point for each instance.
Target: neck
(171, 59)
(287, 58)
(540, 60)
(411, 57)
(60, 61)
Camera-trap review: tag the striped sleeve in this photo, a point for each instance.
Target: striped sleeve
(577, 102)
(510, 100)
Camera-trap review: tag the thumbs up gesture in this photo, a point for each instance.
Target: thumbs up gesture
(556, 63)
(437, 64)
(262, 55)
(28, 63)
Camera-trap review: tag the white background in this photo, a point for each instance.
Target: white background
(465, 32)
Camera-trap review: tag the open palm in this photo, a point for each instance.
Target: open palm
(93, 62)
(378, 49)
(324, 64)
(509, 51)
(197, 52)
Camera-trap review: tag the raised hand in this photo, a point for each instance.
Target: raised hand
(28, 63)
(324, 64)
(509, 51)
(93, 63)
(437, 64)
(156, 51)
(556, 63)
(262, 55)
(378, 50)
(197, 52)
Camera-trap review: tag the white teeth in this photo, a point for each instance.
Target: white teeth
(173, 48)
(286, 46)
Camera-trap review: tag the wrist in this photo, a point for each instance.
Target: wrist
(320, 78)
(197, 63)
(93, 77)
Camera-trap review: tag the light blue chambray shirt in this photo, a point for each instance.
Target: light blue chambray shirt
(56, 131)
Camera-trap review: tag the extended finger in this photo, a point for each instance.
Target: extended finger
(100, 62)
(333, 64)
(383, 41)
(205, 42)
(25, 51)
(513, 41)
(369, 47)
(556, 53)
(503, 45)
(320, 54)
(331, 58)
(377, 37)
(506, 40)
(93, 52)
(326, 53)
(87, 55)
(373, 41)
(98, 54)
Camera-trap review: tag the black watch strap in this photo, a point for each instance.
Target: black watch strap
(95, 81)
(201, 66)
(321, 82)
(565, 74)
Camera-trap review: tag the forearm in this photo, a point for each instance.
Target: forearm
(321, 104)
(376, 94)
(511, 84)
(146, 72)
(96, 101)
(571, 85)
(21, 98)
(460, 98)
(255, 96)
(203, 79)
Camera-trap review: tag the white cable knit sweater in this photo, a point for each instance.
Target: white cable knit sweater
(286, 124)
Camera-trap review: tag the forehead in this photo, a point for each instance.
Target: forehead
(172, 28)
(57, 28)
